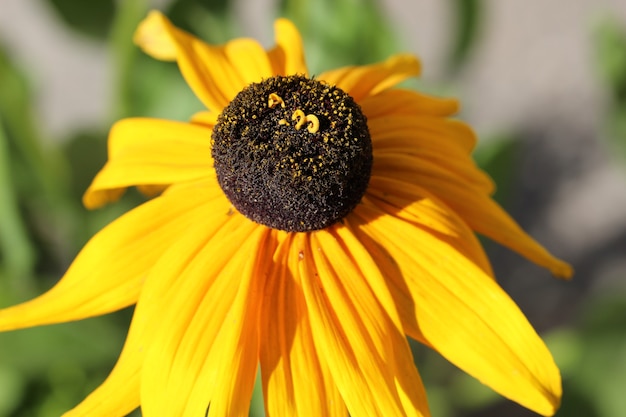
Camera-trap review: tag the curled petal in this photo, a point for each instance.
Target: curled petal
(396, 102)
(287, 57)
(205, 118)
(416, 166)
(154, 36)
(414, 132)
(215, 73)
(369, 80)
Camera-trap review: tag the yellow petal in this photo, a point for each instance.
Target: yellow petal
(205, 118)
(472, 204)
(429, 144)
(295, 382)
(415, 132)
(108, 273)
(250, 60)
(459, 310)
(205, 346)
(416, 205)
(486, 217)
(363, 348)
(406, 102)
(119, 393)
(154, 37)
(287, 57)
(415, 166)
(151, 152)
(151, 190)
(215, 74)
(368, 80)
(408, 382)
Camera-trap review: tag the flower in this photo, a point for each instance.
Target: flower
(303, 225)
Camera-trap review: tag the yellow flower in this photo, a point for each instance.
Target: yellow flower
(304, 227)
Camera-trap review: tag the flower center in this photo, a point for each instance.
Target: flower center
(293, 153)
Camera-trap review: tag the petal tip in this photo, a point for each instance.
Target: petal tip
(562, 270)
(284, 23)
(94, 198)
(154, 37)
(406, 63)
(289, 43)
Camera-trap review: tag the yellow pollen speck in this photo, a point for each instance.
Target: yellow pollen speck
(300, 118)
(274, 100)
(313, 123)
(283, 122)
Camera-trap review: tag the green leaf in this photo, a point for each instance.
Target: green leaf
(211, 20)
(601, 370)
(86, 155)
(12, 386)
(16, 249)
(610, 48)
(257, 408)
(468, 17)
(44, 167)
(616, 126)
(125, 54)
(55, 367)
(159, 90)
(92, 17)
(151, 88)
(339, 33)
(498, 156)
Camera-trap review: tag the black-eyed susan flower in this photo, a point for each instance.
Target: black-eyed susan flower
(304, 226)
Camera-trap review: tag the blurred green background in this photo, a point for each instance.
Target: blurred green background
(544, 83)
